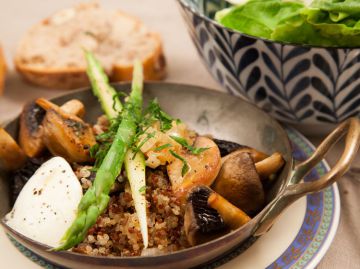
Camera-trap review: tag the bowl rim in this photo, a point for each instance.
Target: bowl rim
(252, 224)
(185, 4)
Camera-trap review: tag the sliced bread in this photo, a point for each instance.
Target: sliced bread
(2, 71)
(51, 52)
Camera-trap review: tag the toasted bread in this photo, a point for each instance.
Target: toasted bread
(51, 52)
(2, 71)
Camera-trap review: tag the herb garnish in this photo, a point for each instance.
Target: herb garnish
(185, 144)
(185, 167)
(168, 145)
(104, 141)
(137, 148)
(153, 113)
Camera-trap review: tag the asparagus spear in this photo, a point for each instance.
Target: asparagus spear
(135, 171)
(97, 198)
(101, 87)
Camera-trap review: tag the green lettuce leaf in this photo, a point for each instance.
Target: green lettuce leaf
(258, 17)
(324, 23)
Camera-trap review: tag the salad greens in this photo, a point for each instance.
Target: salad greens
(330, 23)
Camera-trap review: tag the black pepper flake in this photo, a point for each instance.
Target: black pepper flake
(63, 171)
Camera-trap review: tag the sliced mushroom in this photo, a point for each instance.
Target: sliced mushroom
(270, 165)
(239, 183)
(203, 168)
(30, 133)
(11, 155)
(66, 135)
(201, 222)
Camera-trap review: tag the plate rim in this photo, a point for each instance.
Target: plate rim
(334, 224)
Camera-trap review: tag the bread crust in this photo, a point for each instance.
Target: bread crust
(75, 77)
(2, 71)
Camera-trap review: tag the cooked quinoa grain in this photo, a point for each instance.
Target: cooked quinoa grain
(117, 230)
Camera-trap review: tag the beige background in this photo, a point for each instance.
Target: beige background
(185, 66)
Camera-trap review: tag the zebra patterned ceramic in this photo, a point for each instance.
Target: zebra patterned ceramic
(296, 84)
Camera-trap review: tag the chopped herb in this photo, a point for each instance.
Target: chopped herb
(182, 141)
(163, 147)
(142, 190)
(185, 167)
(136, 149)
(154, 113)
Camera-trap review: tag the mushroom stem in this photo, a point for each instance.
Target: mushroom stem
(232, 216)
(74, 107)
(270, 165)
(11, 155)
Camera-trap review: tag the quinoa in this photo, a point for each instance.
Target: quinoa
(117, 230)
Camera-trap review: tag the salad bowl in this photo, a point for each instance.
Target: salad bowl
(225, 117)
(311, 87)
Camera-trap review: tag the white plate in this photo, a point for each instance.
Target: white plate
(299, 239)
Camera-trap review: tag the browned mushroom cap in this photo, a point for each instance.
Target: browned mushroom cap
(239, 182)
(66, 135)
(11, 155)
(30, 133)
(203, 167)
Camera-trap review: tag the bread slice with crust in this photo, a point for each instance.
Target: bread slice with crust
(2, 71)
(51, 52)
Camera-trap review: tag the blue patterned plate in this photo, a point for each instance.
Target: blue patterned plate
(299, 239)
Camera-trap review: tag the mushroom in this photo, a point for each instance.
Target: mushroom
(227, 148)
(239, 182)
(65, 134)
(74, 107)
(201, 222)
(30, 133)
(11, 155)
(270, 165)
(203, 168)
(233, 217)
(208, 215)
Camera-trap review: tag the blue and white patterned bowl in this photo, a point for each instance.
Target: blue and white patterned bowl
(303, 85)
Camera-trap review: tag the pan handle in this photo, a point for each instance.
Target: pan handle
(296, 190)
